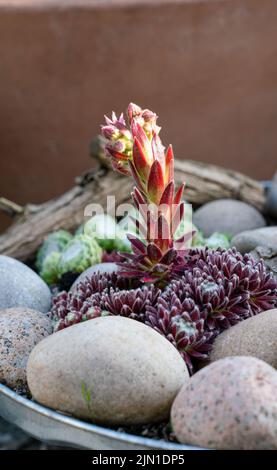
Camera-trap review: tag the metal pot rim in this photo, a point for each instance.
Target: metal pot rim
(76, 426)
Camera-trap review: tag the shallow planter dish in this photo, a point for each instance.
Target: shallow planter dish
(58, 429)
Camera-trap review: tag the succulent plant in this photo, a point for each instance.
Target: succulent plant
(137, 150)
(102, 227)
(127, 224)
(99, 282)
(79, 230)
(55, 242)
(122, 242)
(112, 257)
(218, 240)
(77, 313)
(187, 226)
(190, 295)
(218, 289)
(183, 324)
(120, 138)
(49, 268)
(129, 303)
(80, 253)
(108, 235)
(227, 286)
(90, 297)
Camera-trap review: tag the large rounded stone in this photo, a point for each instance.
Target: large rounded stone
(261, 243)
(97, 268)
(111, 370)
(22, 287)
(251, 239)
(227, 216)
(231, 404)
(256, 336)
(20, 330)
(269, 256)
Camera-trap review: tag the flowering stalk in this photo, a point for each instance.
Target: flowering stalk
(136, 149)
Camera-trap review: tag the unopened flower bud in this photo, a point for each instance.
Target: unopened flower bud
(149, 116)
(133, 110)
(115, 146)
(110, 132)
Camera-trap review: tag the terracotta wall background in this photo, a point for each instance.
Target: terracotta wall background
(207, 67)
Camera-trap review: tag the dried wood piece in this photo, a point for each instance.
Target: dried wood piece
(10, 207)
(206, 182)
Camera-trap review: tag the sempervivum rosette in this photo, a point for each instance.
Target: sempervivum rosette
(227, 286)
(100, 295)
(132, 303)
(183, 324)
(98, 282)
(218, 289)
(83, 303)
(69, 309)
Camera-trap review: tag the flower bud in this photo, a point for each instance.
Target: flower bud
(133, 111)
(110, 132)
(149, 116)
(115, 146)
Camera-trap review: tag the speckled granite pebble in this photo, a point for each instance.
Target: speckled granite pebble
(20, 286)
(20, 330)
(256, 336)
(230, 404)
(269, 256)
(249, 240)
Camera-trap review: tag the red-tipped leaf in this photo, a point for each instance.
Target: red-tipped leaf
(169, 164)
(139, 226)
(135, 175)
(142, 139)
(169, 257)
(158, 149)
(179, 194)
(167, 196)
(118, 155)
(184, 239)
(154, 252)
(163, 236)
(155, 185)
(178, 217)
(139, 196)
(140, 160)
(137, 244)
